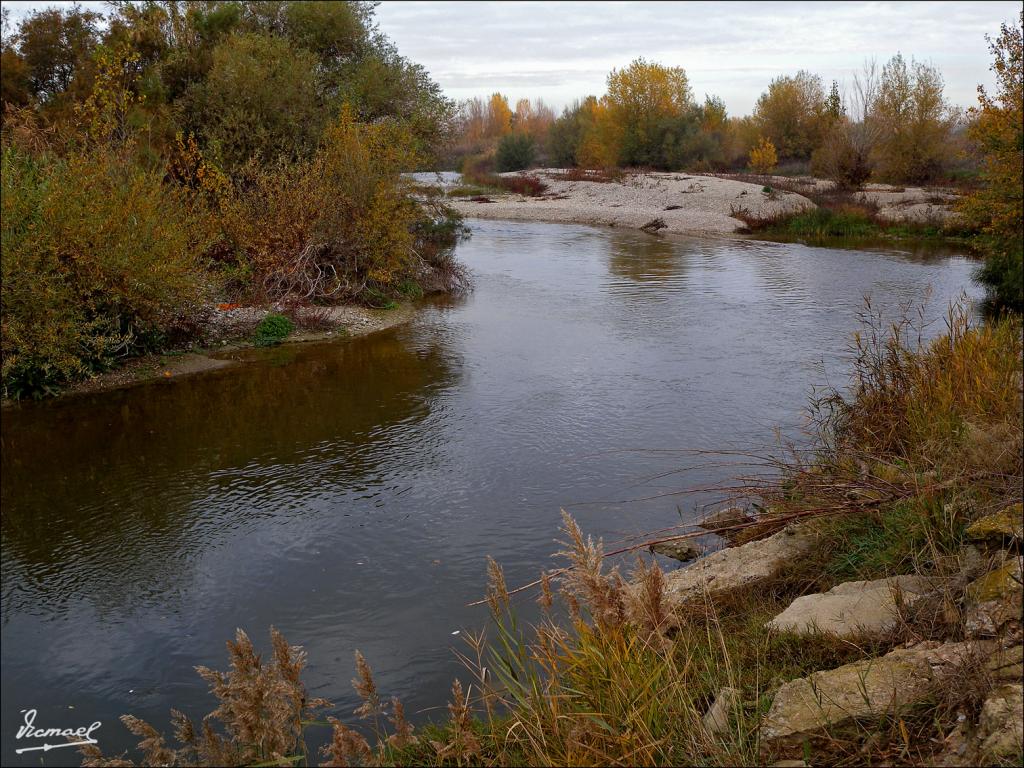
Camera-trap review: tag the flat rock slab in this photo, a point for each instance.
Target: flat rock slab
(730, 569)
(853, 608)
(869, 688)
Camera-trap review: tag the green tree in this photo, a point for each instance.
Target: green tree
(515, 152)
(385, 85)
(56, 45)
(834, 104)
(259, 101)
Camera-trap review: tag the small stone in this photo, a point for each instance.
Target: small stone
(1005, 524)
(716, 719)
(853, 608)
(682, 550)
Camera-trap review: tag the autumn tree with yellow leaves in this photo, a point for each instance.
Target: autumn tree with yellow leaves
(763, 157)
(645, 100)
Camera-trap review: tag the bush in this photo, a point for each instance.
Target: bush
(842, 158)
(98, 263)
(476, 169)
(272, 330)
(336, 225)
(763, 157)
(515, 152)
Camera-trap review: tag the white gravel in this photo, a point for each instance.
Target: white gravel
(701, 205)
(914, 204)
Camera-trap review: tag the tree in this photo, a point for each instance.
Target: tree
(912, 121)
(14, 75)
(565, 135)
(600, 136)
(259, 101)
(499, 116)
(763, 157)
(716, 134)
(834, 104)
(791, 114)
(845, 153)
(515, 152)
(997, 209)
(385, 85)
(56, 46)
(643, 101)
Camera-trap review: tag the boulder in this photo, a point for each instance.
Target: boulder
(1007, 524)
(683, 550)
(716, 719)
(995, 600)
(853, 608)
(1001, 723)
(736, 567)
(1006, 664)
(870, 688)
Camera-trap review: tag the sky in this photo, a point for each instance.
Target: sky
(560, 51)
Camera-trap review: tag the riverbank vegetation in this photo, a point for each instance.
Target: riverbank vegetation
(178, 155)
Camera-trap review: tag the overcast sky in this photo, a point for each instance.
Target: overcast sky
(559, 51)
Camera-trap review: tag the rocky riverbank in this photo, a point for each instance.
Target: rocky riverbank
(982, 599)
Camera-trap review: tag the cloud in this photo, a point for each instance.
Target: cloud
(560, 51)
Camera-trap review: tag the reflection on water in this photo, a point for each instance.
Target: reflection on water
(348, 492)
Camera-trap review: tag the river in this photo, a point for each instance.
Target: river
(348, 492)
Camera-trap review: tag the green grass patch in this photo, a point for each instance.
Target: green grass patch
(273, 329)
(903, 538)
(822, 223)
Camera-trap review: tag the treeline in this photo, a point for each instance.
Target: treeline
(175, 154)
(892, 124)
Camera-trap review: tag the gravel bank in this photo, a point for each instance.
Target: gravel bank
(684, 203)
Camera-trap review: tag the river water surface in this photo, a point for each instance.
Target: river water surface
(348, 492)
